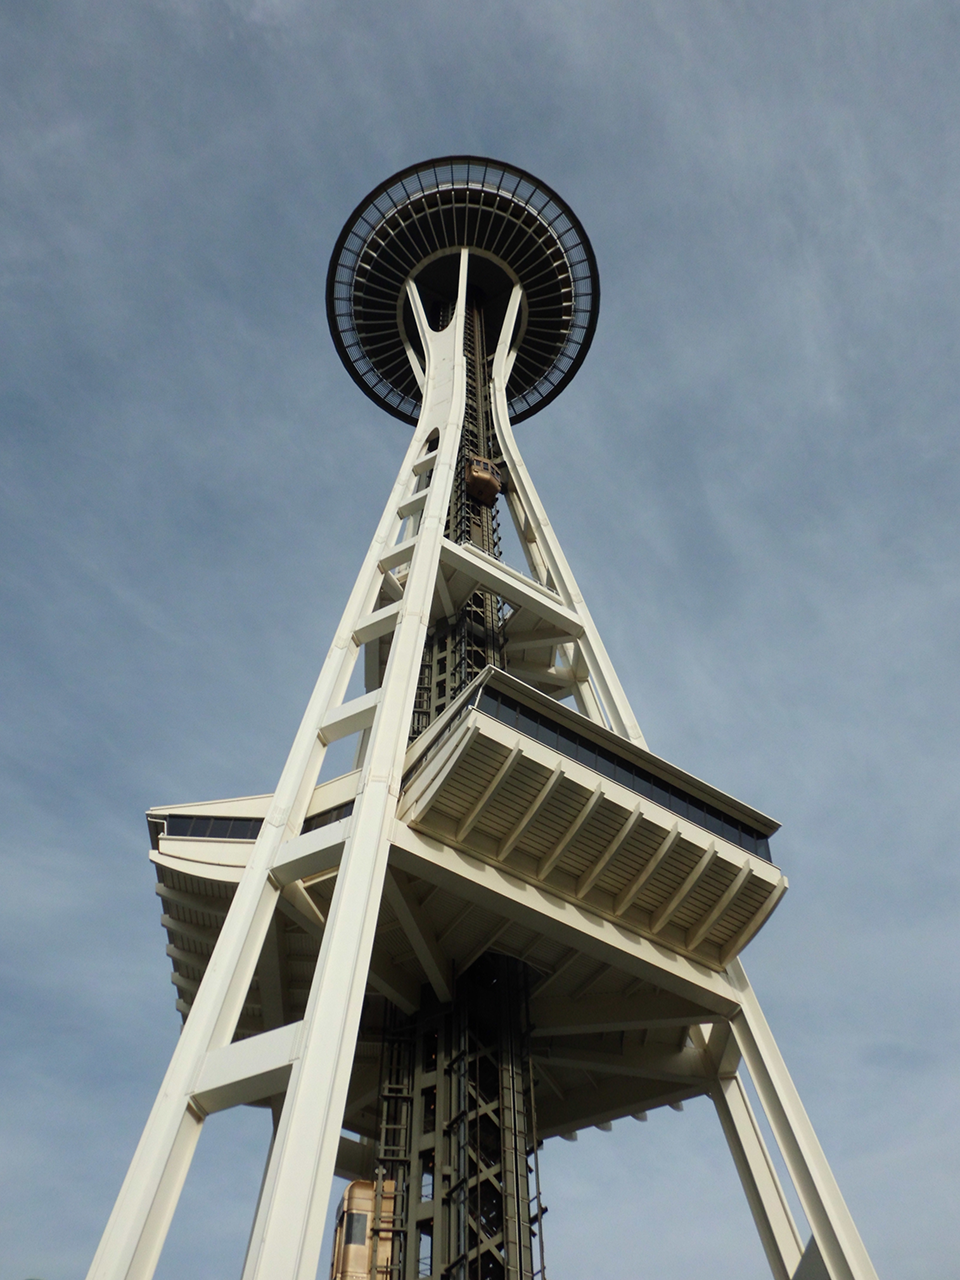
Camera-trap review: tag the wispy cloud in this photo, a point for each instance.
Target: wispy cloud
(755, 476)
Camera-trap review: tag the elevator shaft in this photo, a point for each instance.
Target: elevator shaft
(456, 1157)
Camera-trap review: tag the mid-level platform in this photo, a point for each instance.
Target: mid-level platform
(523, 829)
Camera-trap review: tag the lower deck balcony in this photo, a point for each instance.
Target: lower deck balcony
(516, 779)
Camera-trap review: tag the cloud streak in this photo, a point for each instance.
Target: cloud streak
(754, 476)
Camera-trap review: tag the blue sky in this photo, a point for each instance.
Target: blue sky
(754, 476)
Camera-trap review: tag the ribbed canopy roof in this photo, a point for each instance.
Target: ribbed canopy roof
(519, 229)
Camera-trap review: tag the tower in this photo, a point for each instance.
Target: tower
(510, 919)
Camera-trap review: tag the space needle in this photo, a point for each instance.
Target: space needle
(509, 920)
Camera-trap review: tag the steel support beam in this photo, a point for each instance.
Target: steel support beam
(286, 1236)
(771, 1213)
(586, 933)
(841, 1249)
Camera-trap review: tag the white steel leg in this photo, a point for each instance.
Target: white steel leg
(287, 1233)
(160, 1214)
(533, 526)
(145, 1205)
(771, 1213)
(137, 1227)
(841, 1248)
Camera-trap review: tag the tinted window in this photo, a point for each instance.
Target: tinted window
(489, 703)
(355, 1229)
(636, 780)
(528, 724)
(606, 763)
(662, 796)
(508, 711)
(571, 744)
(179, 824)
(713, 822)
(325, 818)
(625, 775)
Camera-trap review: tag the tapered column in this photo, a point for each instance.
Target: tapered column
(135, 1232)
(289, 1225)
(841, 1248)
(774, 1221)
(543, 548)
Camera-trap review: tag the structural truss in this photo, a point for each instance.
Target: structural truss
(504, 823)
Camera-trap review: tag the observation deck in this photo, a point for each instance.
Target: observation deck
(518, 780)
(514, 781)
(518, 231)
(524, 829)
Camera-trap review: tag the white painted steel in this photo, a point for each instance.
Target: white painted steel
(405, 565)
(664, 914)
(135, 1232)
(421, 789)
(536, 906)
(247, 1070)
(841, 1248)
(134, 1235)
(535, 530)
(771, 1213)
(419, 934)
(589, 877)
(288, 1229)
(699, 931)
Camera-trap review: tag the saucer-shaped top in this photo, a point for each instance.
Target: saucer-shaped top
(518, 231)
